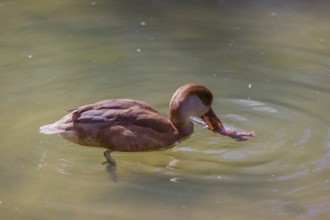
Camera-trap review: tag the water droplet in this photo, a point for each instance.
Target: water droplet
(175, 180)
(172, 164)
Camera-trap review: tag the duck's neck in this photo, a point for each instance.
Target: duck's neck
(185, 129)
(179, 115)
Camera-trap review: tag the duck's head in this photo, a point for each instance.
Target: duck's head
(193, 99)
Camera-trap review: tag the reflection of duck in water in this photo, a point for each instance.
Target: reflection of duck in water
(129, 125)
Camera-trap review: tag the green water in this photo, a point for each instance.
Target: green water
(267, 63)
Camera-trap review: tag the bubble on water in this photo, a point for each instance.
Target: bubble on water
(172, 164)
(138, 50)
(250, 85)
(142, 23)
(175, 180)
(93, 3)
(30, 56)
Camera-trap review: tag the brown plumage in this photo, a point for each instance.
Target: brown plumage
(130, 125)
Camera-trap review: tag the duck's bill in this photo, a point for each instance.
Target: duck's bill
(212, 121)
(214, 124)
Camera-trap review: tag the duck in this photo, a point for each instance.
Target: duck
(133, 126)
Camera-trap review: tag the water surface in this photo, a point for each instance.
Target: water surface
(267, 63)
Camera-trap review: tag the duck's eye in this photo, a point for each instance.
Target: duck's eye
(205, 100)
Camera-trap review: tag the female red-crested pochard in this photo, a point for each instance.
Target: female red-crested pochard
(130, 125)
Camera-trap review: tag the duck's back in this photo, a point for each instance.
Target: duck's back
(116, 124)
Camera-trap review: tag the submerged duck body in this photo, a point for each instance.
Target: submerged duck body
(130, 125)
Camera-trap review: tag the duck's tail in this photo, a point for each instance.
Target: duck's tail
(49, 129)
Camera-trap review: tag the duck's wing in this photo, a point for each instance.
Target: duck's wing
(113, 104)
(117, 124)
(120, 111)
